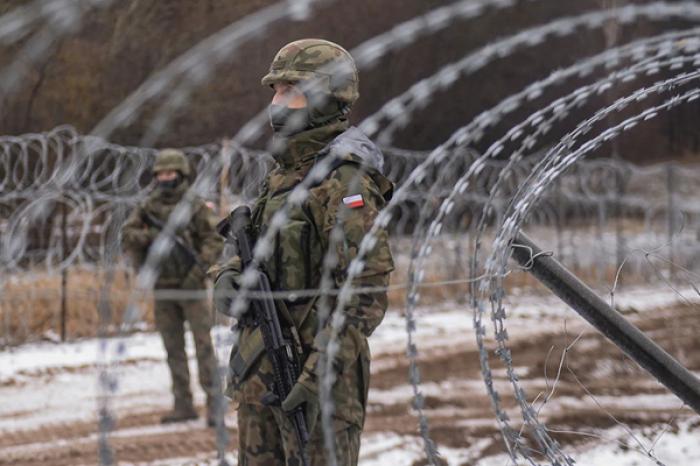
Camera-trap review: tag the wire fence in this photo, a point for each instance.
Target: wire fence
(64, 197)
(61, 190)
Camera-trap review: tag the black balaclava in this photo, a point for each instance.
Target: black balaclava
(287, 121)
(321, 110)
(170, 185)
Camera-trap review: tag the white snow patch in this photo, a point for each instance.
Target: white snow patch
(618, 448)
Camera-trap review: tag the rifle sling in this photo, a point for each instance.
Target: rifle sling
(289, 323)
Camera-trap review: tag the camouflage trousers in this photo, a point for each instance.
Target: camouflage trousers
(170, 321)
(266, 438)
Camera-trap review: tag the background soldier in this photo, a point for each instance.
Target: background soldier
(310, 124)
(196, 247)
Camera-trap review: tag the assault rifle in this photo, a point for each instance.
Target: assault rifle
(280, 350)
(190, 254)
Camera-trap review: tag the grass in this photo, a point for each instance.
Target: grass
(31, 305)
(31, 302)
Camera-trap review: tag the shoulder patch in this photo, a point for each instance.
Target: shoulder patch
(354, 202)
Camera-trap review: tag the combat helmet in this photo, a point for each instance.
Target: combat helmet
(171, 159)
(329, 65)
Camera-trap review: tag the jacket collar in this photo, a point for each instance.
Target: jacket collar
(301, 149)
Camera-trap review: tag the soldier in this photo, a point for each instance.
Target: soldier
(315, 84)
(197, 246)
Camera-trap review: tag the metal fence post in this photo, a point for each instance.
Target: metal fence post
(608, 321)
(7, 305)
(671, 207)
(560, 214)
(64, 271)
(620, 187)
(601, 256)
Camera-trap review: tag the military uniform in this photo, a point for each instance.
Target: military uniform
(176, 272)
(349, 199)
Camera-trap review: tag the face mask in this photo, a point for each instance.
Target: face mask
(170, 184)
(288, 121)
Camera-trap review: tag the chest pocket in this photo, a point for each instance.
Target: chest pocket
(295, 262)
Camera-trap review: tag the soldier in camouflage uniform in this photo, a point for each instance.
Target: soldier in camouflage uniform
(179, 271)
(310, 124)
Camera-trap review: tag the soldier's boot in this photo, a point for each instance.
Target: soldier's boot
(213, 411)
(183, 411)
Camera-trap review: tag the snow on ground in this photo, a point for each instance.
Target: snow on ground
(69, 375)
(143, 378)
(682, 448)
(33, 359)
(677, 449)
(435, 323)
(196, 460)
(448, 323)
(48, 383)
(615, 448)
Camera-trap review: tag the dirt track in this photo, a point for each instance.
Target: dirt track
(459, 411)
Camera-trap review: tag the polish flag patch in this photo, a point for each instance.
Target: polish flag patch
(354, 202)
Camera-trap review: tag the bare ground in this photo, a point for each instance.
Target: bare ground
(598, 388)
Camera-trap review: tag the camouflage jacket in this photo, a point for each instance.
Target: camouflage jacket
(297, 260)
(199, 234)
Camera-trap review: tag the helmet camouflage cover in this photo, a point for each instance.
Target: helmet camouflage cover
(171, 159)
(325, 62)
